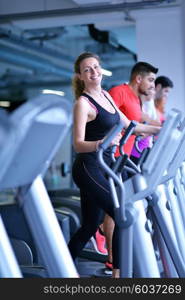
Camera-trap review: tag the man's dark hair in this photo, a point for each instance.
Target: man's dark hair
(142, 68)
(164, 81)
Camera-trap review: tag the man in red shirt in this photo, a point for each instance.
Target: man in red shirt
(126, 96)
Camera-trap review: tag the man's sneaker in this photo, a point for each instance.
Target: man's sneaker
(108, 265)
(100, 242)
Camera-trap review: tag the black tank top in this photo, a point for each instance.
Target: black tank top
(98, 128)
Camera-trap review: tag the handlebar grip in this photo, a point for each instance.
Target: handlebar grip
(128, 132)
(112, 133)
(113, 149)
(137, 140)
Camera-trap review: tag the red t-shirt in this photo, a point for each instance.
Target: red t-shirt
(130, 106)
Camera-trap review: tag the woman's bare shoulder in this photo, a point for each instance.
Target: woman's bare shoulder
(81, 103)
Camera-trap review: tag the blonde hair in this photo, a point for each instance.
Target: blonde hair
(77, 84)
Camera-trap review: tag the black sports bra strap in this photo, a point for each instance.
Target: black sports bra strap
(109, 101)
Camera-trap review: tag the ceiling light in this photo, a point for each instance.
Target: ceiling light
(5, 103)
(60, 93)
(106, 72)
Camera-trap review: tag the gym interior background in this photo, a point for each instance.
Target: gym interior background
(40, 39)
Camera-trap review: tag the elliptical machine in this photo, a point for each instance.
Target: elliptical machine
(31, 137)
(135, 237)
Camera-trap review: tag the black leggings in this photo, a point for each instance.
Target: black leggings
(96, 200)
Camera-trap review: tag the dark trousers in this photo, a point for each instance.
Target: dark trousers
(96, 200)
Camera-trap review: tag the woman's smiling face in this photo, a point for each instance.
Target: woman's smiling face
(90, 71)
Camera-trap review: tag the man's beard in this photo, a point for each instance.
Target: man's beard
(143, 92)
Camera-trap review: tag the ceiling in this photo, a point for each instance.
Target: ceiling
(40, 39)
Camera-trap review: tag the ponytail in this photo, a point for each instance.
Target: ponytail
(78, 86)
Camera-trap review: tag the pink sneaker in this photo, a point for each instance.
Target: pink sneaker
(100, 242)
(108, 265)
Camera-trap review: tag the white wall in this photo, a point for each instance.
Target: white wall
(160, 42)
